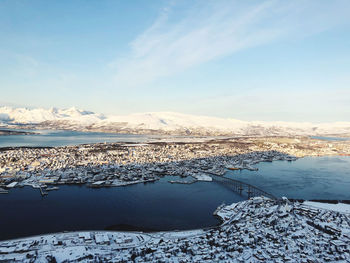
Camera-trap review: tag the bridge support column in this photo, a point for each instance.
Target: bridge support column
(240, 188)
(249, 192)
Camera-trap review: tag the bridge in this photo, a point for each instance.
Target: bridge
(240, 187)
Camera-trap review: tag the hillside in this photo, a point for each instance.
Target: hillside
(161, 123)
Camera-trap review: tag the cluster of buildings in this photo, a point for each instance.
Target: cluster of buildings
(256, 230)
(118, 164)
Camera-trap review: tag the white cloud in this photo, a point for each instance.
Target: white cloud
(211, 30)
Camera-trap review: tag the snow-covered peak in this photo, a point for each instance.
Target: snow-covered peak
(169, 122)
(173, 120)
(39, 115)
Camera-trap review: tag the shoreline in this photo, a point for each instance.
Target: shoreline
(118, 164)
(15, 132)
(216, 214)
(183, 132)
(265, 217)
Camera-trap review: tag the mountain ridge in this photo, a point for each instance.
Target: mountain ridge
(161, 123)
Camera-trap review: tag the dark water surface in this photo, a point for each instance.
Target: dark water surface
(152, 206)
(306, 178)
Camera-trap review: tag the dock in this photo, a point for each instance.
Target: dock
(42, 192)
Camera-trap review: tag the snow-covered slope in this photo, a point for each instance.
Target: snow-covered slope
(35, 116)
(161, 122)
(173, 121)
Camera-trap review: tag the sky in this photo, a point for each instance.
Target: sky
(249, 60)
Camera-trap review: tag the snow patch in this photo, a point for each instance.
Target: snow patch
(340, 207)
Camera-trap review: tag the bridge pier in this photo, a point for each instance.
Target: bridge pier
(240, 189)
(249, 192)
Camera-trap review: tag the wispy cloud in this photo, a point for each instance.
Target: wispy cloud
(212, 30)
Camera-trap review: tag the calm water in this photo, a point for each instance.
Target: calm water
(331, 138)
(62, 138)
(306, 178)
(153, 206)
(52, 138)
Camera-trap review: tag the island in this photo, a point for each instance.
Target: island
(121, 164)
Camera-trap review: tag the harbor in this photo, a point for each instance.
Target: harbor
(122, 164)
(141, 207)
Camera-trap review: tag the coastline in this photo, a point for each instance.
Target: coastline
(108, 162)
(14, 132)
(118, 164)
(264, 217)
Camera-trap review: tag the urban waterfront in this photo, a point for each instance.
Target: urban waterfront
(149, 207)
(109, 201)
(187, 203)
(164, 206)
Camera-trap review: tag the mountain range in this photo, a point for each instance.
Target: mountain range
(161, 123)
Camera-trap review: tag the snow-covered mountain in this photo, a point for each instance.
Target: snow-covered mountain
(161, 123)
(36, 116)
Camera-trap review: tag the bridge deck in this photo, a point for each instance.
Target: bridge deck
(241, 187)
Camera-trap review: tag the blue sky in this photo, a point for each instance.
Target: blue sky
(249, 60)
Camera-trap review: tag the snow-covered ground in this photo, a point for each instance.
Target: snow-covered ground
(163, 122)
(340, 207)
(202, 177)
(256, 230)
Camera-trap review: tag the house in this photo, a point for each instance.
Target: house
(102, 239)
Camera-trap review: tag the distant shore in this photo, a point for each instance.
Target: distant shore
(14, 132)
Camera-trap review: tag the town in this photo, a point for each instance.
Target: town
(121, 164)
(257, 230)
